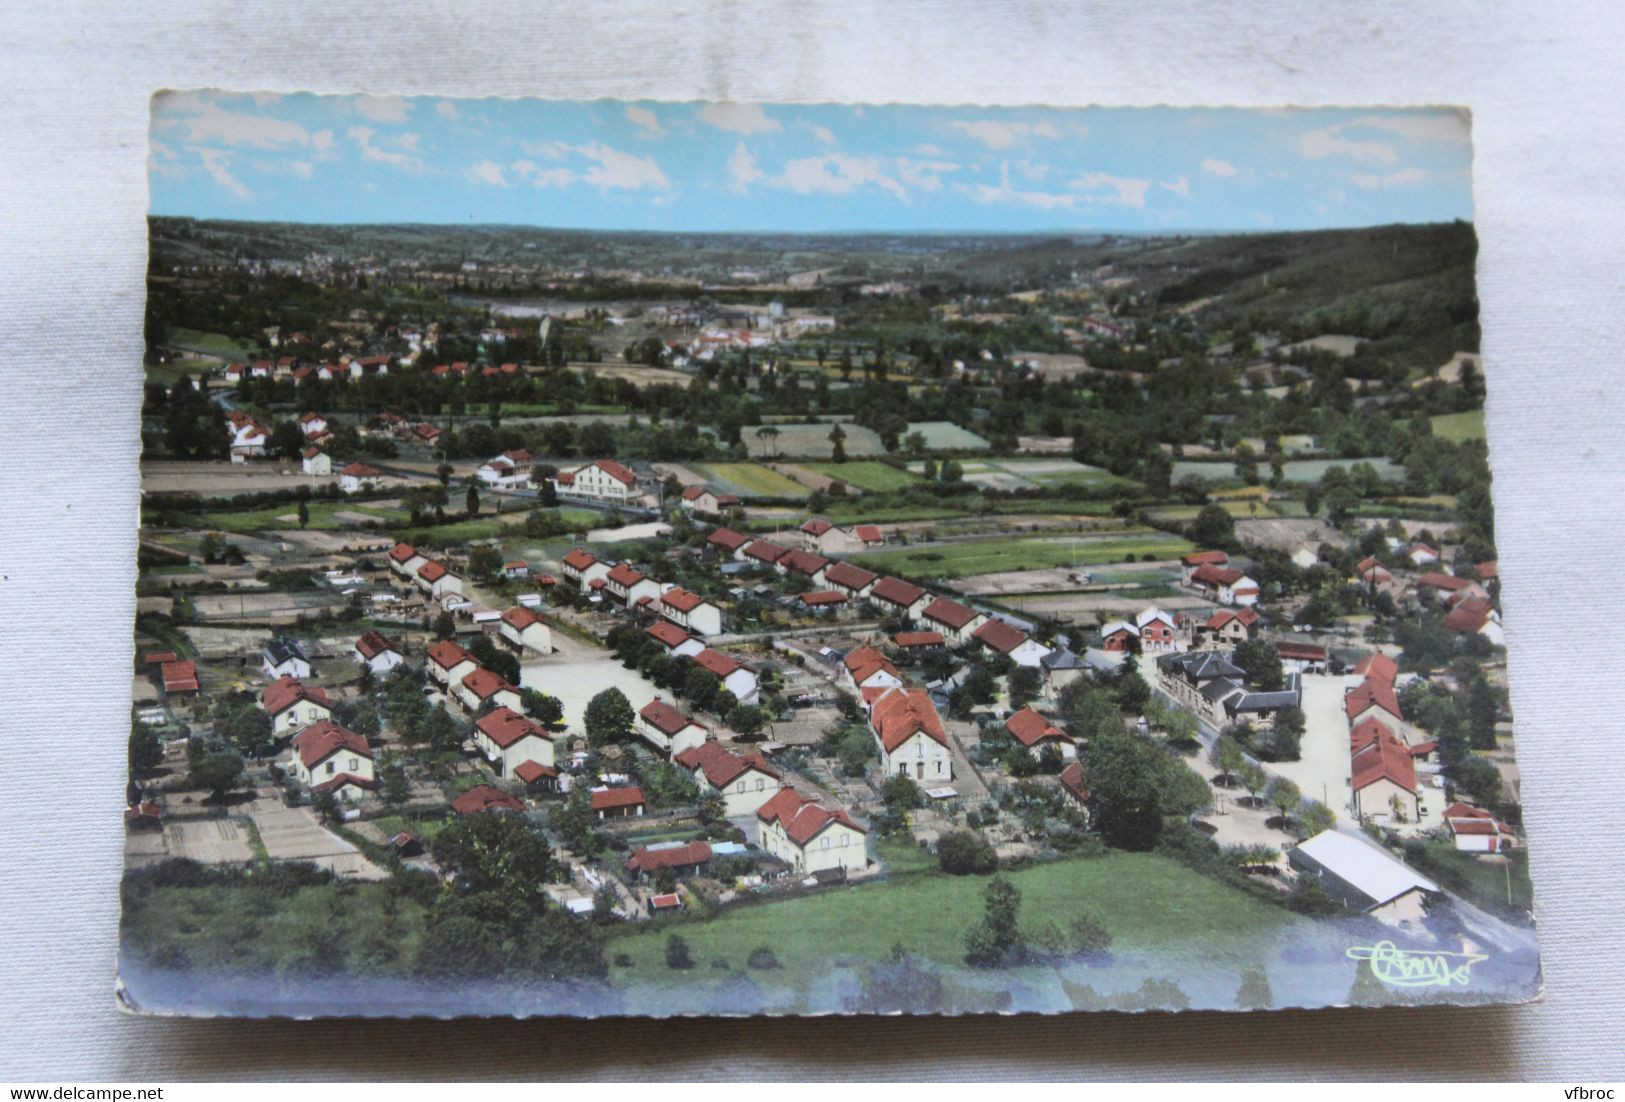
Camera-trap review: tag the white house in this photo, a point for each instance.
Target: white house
(703, 499)
(508, 471)
(285, 657)
(809, 837)
(329, 758)
(1304, 558)
(1363, 877)
(583, 568)
(630, 586)
(735, 676)
(854, 581)
(866, 668)
(482, 687)
(314, 461)
(356, 477)
(449, 663)
(910, 736)
(818, 534)
(437, 581)
(600, 480)
(678, 643)
(405, 560)
(956, 621)
(377, 653)
(1475, 830)
(525, 630)
(1035, 733)
(509, 739)
(895, 597)
(312, 424)
(691, 611)
(293, 705)
(1014, 644)
(743, 781)
(669, 730)
(249, 438)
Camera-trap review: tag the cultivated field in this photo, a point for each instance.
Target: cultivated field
(874, 477)
(811, 441)
(748, 480)
(946, 436)
(636, 374)
(1456, 427)
(1296, 470)
(991, 556)
(164, 476)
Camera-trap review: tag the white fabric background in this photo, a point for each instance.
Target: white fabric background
(1544, 83)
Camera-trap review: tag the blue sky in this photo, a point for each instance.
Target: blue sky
(801, 167)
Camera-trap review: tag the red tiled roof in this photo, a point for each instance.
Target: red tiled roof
(692, 493)
(484, 684)
(624, 575)
(919, 639)
(803, 562)
(373, 643)
(579, 560)
(1030, 728)
(869, 533)
(951, 613)
(722, 766)
(532, 771)
(895, 591)
(519, 618)
(343, 779)
(1469, 616)
(615, 471)
(318, 742)
(286, 691)
(1072, 779)
(432, 571)
(448, 655)
(766, 551)
(1465, 819)
(728, 538)
(902, 713)
(1378, 665)
(848, 576)
(1436, 580)
(718, 663)
(504, 726)
(1000, 636)
(669, 634)
(403, 552)
(864, 662)
(823, 597)
(1368, 692)
(179, 677)
(361, 470)
(816, 526)
(1246, 616)
(802, 819)
(1376, 754)
(1201, 558)
(159, 657)
(665, 718)
(681, 599)
(607, 799)
(1302, 652)
(1209, 574)
(648, 860)
(485, 797)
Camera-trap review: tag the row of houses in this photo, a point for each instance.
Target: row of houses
(637, 591)
(1215, 689)
(430, 576)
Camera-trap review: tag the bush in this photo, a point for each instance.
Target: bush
(677, 955)
(961, 853)
(762, 957)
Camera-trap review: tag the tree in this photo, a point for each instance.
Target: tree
(1024, 685)
(997, 938)
(597, 439)
(748, 722)
(304, 514)
(494, 852)
(1286, 796)
(1316, 818)
(608, 718)
(1252, 779)
(1246, 463)
(471, 502)
(393, 783)
(219, 772)
(961, 852)
(700, 686)
(837, 438)
(484, 561)
(1229, 757)
(1213, 526)
(1255, 991)
(544, 709)
(1262, 663)
(677, 954)
(146, 750)
(1286, 736)
(1122, 773)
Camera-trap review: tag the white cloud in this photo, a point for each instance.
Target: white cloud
(1215, 167)
(446, 110)
(1120, 189)
(1372, 181)
(554, 177)
(739, 118)
(217, 163)
(838, 174)
(1002, 135)
(302, 169)
(408, 141)
(822, 133)
(1180, 187)
(555, 151)
(212, 123)
(928, 150)
(1087, 189)
(645, 120)
(625, 171)
(322, 140)
(487, 172)
(1432, 126)
(382, 108)
(1329, 142)
(925, 175)
(162, 160)
(742, 168)
(363, 135)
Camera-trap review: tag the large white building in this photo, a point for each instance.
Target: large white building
(910, 736)
(600, 480)
(808, 837)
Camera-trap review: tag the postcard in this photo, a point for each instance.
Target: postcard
(606, 558)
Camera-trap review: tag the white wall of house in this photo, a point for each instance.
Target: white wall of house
(382, 662)
(293, 667)
(296, 717)
(342, 760)
(455, 675)
(506, 760)
(1030, 653)
(837, 846)
(536, 637)
(920, 757)
(744, 795)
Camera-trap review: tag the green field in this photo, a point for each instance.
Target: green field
(989, 556)
(171, 372)
(443, 535)
(1147, 903)
(213, 344)
(286, 516)
(946, 436)
(1456, 427)
(1295, 470)
(749, 480)
(876, 478)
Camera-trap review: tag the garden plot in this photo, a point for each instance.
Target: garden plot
(748, 480)
(944, 436)
(808, 441)
(1296, 470)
